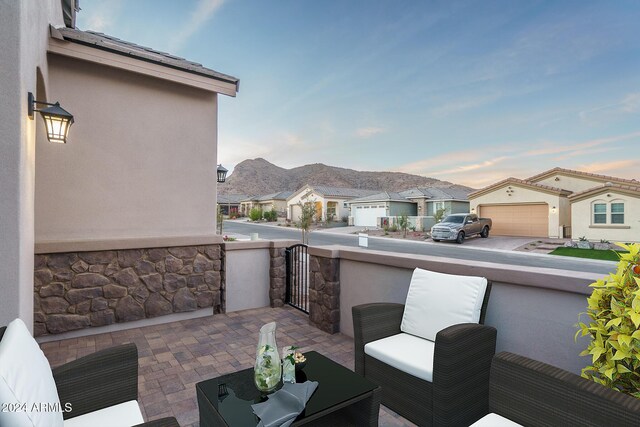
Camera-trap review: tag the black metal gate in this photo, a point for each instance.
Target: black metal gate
(297, 288)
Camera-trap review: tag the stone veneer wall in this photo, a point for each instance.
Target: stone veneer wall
(277, 275)
(324, 293)
(83, 289)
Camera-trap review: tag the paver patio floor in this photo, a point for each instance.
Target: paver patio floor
(173, 357)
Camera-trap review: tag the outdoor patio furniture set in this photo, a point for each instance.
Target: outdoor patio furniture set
(431, 360)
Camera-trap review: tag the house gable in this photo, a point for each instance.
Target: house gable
(576, 181)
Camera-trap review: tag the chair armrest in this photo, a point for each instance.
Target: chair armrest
(372, 322)
(99, 380)
(461, 366)
(162, 422)
(534, 393)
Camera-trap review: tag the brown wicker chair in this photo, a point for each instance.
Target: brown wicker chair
(458, 394)
(100, 380)
(535, 394)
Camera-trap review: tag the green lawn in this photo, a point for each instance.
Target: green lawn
(586, 253)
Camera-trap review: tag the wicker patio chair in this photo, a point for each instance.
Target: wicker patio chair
(456, 392)
(100, 381)
(531, 393)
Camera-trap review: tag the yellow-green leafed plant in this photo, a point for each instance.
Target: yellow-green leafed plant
(614, 310)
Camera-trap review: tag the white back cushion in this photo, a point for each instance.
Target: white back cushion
(125, 414)
(26, 380)
(406, 353)
(436, 301)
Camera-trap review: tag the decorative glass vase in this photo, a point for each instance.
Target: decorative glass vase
(267, 369)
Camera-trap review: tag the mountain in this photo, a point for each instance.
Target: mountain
(258, 176)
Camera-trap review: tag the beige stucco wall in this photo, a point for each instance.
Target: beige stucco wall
(246, 277)
(24, 32)
(279, 205)
(571, 183)
(140, 159)
(582, 219)
(521, 195)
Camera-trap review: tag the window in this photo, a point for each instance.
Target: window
(599, 213)
(617, 213)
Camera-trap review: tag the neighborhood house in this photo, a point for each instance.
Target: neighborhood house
(330, 202)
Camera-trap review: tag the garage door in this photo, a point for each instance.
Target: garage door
(366, 216)
(518, 220)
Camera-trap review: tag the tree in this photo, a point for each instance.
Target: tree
(255, 214)
(439, 215)
(403, 222)
(307, 216)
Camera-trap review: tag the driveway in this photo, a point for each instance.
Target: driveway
(504, 243)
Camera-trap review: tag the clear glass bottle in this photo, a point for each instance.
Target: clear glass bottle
(288, 367)
(267, 369)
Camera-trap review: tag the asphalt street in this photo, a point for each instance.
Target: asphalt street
(449, 250)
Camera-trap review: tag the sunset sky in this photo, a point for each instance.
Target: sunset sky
(468, 91)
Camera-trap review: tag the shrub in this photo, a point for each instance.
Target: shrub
(614, 330)
(255, 214)
(345, 218)
(439, 215)
(403, 222)
(271, 215)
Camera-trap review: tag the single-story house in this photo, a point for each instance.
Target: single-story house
(542, 205)
(367, 211)
(230, 203)
(330, 202)
(266, 202)
(429, 200)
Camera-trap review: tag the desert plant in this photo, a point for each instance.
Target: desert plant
(345, 218)
(614, 330)
(403, 223)
(271, 215)
(604, 241)
(440, 214)
(307, 215)
(255, 214)
(583, 239)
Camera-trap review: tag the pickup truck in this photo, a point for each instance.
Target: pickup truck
(458, 226)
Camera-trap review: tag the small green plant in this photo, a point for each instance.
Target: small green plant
(614, 330)
(393, 228)
(583, 239)
(604, 241)
(438, 216)
(403, 222)
(345, 218)
(308, 213)
(255, 214)
(271, 215)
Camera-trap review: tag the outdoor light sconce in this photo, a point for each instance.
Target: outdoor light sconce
(56, 119)
(473, 210)
(222, 174)
(553, 209)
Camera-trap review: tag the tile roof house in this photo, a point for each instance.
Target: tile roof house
(563, 203)
(230, 203)
(331, 202)
(266, 202)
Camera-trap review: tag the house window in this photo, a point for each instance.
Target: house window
(599, 213)
(617, 213)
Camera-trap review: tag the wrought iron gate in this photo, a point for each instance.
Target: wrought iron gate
(297, 286)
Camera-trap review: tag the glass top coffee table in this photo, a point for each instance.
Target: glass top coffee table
(342, 397)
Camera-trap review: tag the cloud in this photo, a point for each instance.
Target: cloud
(102, 17)
(464, 104)
(368, 131)
(614, 168)
(629, 104)
(204, 10)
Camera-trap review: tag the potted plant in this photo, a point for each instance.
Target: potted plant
(584, 243)
(614, 329)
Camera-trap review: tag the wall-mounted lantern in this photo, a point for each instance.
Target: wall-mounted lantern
(222, 174)
(553, 209)
(56, 119)
(473, 210)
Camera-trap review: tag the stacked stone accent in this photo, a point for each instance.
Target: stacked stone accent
(324, 293)
(277, 275)
(84, 289)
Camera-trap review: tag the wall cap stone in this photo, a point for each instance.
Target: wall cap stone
(59, 246)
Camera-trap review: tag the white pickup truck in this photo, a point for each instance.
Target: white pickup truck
(459, 226)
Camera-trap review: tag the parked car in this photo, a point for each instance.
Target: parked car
(460, 226)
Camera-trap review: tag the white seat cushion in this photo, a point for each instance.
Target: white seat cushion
(26, 381)
(494, 420)
(406, 353)
(125, 414)
(436, 301)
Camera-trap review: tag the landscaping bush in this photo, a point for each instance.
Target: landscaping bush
(271, 215)
(614, 330)
(255, 214)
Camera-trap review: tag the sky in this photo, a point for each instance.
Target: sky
(470, 92)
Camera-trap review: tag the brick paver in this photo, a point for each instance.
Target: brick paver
(175, 356)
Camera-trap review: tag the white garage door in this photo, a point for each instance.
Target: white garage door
(366, 216)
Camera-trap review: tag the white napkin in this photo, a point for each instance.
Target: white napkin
(284, 405)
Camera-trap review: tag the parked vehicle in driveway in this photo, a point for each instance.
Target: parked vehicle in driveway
(460, 226)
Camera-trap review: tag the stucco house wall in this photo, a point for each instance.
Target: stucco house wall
(24, 35)
(567, 182)
(524, 195)
(399, 208)
(582, 218)
(138, 160)
(279, 205)
(451, 206)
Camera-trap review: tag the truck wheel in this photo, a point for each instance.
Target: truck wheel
(436, 240)
(485, 233)
(460, 238)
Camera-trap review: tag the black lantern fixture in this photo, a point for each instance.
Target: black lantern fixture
(56, 119)
(222, 173)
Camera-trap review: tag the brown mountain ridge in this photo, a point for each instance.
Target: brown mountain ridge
(258, 176)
